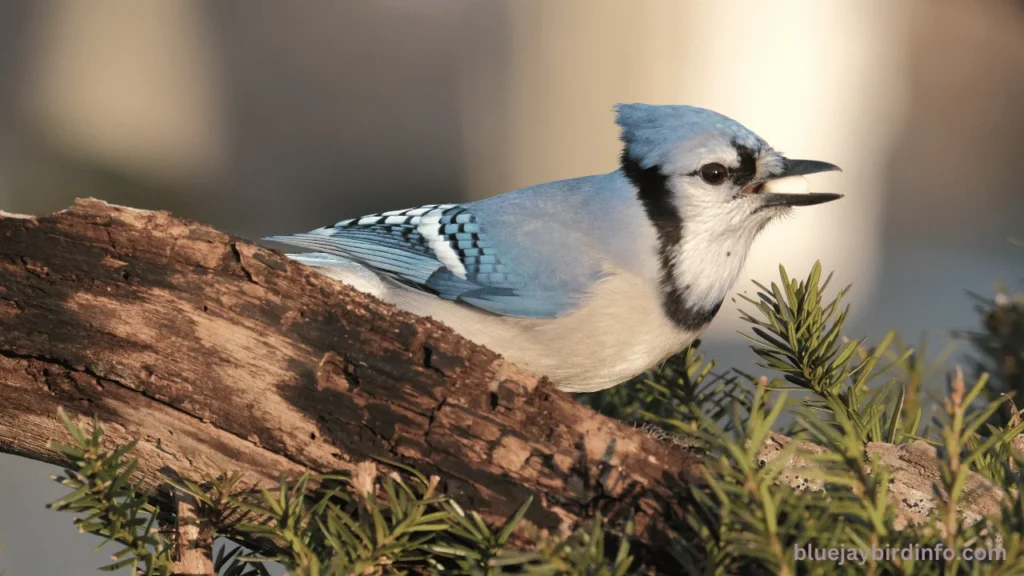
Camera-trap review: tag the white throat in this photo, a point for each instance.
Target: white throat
(716, 239)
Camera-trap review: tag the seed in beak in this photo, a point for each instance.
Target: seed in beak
(787, 185)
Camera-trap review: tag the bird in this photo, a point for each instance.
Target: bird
(588, 281)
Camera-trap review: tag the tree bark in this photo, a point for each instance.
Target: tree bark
(194, 549)
(219, 355)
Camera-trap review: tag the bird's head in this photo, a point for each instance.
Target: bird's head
(709, 186)
(695, 165)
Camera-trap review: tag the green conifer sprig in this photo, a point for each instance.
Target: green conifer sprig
(233, 561)
(799, 336)
(318, 525)
(740, 510)
(915, 372)
(221, 516)
(999, 345)
(748, 522)
(481, 550)
(108, 503)
(321, 525)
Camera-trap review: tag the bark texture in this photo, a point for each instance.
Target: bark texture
(219, 355)
(194, 552)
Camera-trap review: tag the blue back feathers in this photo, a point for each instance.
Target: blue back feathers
(439, 249)
(652, 132)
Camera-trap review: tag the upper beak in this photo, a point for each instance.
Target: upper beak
(778, 190)
(805, 167)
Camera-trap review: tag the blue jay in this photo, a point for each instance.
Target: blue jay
(588, 281)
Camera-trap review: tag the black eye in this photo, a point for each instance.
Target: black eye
(713, 173)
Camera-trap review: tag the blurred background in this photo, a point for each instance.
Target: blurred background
(263, 117)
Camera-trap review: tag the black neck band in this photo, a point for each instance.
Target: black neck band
(656, 198)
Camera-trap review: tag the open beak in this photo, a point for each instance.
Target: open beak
(790, 187)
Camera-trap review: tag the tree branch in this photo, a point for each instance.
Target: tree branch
(220, 355)
(194, 551)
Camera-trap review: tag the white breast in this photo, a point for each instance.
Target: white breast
(618, 333)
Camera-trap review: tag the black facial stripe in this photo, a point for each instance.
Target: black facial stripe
(744, 173)
(656, 198)
(748, 166)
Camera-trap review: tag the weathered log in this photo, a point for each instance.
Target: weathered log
(220, 355)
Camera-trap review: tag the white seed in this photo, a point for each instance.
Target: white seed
(787, 185)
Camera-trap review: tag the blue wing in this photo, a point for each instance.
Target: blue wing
(440, 249)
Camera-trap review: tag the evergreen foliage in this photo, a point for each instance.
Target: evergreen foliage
(839, 394)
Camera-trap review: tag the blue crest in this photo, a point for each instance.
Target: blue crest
(652, 132)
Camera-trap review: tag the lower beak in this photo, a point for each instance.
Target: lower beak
(809, 199)
(786, 189)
